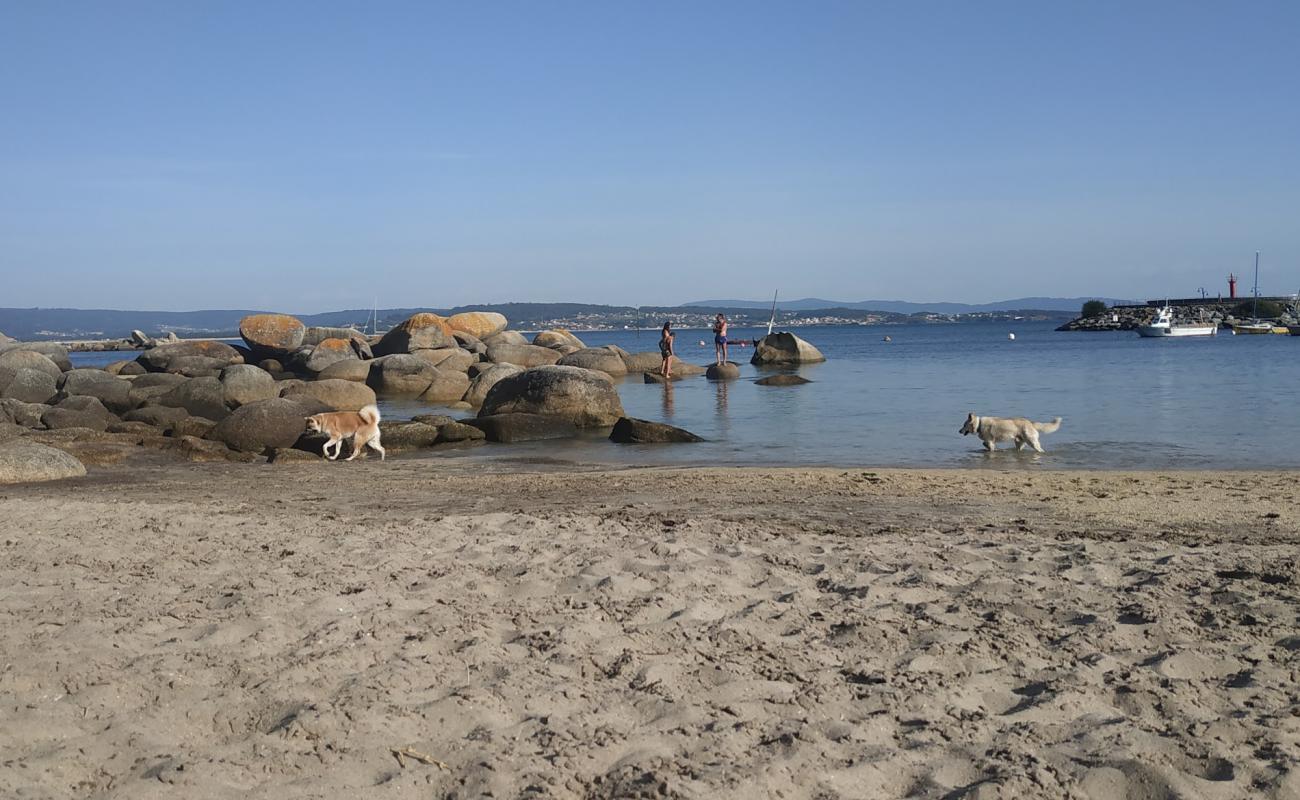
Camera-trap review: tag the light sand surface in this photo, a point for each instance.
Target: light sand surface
(204, 631)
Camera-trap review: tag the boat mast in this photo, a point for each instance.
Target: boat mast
(772, 321)
(1254, 312)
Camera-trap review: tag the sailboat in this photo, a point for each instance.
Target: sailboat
(771, 323)
(1254, 325)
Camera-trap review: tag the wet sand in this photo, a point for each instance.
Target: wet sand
(221, 630)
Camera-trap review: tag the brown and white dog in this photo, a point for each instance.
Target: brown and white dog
(362, 427)
(1015, 429)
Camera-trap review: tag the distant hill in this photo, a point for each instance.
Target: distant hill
(1072, 304)
(65, 324)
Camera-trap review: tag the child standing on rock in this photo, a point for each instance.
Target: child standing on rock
(666, 350)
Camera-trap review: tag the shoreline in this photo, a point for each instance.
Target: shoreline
(227, 630)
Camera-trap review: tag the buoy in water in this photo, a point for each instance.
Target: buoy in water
(1011, 337)
(888, 339)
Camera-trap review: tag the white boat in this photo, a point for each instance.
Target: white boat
(1164, 325)
(1254, 325)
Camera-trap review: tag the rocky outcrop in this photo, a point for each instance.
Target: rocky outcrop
(600, 359)
(785, 348)
(522, 355)
(479, 324)
(584, 397)
(27, 462)
(453, 359)
(505, 337)
(272, 335)
(782, 380)
(423, 331)
(163, 417)
(508, 428)
(630, 430)
(260, 425)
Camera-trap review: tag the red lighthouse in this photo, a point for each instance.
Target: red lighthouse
(1232, 285)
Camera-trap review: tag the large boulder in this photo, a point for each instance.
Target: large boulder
(407, 435)
(508, 428)
(726, 371)
(55, 352)
(328, 352)
(158, 416)
(160, 358)
(272, 335)
(557, 338)
(150, 386)
(600, 359)
(260, 425)
(485, 380)
(454, 432)
(29, 359)
(202, 397)
(355, 338)
(782, 380)
(60, 417)
(448, 386)
(403, 374)
(27, 385)
(630, 430)
(22, 413)
(423, 331)
(448, 358)
(242, 384)
(785, 348)
(199, 366)
(653, 362)
(479, 324)
(522, 355)
(24, 462)
(584, 397)
(505, 337)
(339, 395)
(350, 370)
(112, 391)
(470, 342)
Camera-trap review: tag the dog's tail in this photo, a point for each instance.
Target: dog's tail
(370, 414)
(1048, 427)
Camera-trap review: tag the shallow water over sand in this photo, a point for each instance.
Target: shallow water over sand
(1225, 402)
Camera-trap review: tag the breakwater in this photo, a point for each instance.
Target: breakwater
(1220, 312)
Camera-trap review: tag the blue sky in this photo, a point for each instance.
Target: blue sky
(310, 156)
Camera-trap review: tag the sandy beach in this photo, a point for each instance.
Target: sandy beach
(428, 628)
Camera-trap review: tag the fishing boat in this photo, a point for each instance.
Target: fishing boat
(1254, 326)
(1163, 325)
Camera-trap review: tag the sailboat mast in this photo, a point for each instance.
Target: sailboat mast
(1255, 309)
(771, 323)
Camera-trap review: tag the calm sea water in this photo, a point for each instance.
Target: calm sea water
(1215, 402)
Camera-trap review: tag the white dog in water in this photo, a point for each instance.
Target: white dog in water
(1015, 429)
(360, 426)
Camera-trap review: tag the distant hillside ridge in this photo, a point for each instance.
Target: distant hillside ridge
(1072, 304)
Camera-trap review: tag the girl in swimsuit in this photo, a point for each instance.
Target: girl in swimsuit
(720, 338)
(666, 349)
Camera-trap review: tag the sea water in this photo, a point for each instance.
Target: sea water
(1128, 403)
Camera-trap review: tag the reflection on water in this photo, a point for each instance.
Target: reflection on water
(668, 401)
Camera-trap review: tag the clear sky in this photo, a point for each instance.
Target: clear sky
(313, 156)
